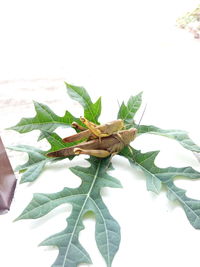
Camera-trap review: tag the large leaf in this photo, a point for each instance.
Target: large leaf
(178, 135)
(156, 176)
(127, 112)
(44, 120)
(83, 199)
(92, 111)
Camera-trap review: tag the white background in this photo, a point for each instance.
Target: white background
(114, 49)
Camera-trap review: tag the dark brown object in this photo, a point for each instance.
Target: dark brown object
(7, 180)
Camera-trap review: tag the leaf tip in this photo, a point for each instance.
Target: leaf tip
(35, 102)
(68, 85)
(10, 128)
(16, 219)
(22, 181)
(9, 147)
(43, 243)
(140, 93)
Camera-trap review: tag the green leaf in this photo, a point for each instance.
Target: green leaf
(87, 198)
(92, 111)
(145, 161)
(83, 199)
(35, 164)
(96, 111)
(37, 158)
(56, 141)
(127, 112)
(45, 120)
(178, 135)
(153, 183)
(190, 206)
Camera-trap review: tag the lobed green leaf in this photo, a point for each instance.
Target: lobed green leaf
(37, 158)
(166, 176)
(178, 135)
(127, 112)
(190, 206)
(35, 164)
(45, 120)
(92, 111)
(83, 199)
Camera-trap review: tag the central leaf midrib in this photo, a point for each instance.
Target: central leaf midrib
(80, 213)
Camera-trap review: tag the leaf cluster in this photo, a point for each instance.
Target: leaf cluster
(87, 196)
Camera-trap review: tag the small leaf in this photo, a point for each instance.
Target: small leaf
(45, 120)
(123, 111)
(134, 103)
(37, 158)
(178, 135)
(32, 172)
(127, 112)
(35, 164)
(83, 199)
(145, 161)
(92, 111)
(96, 110)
